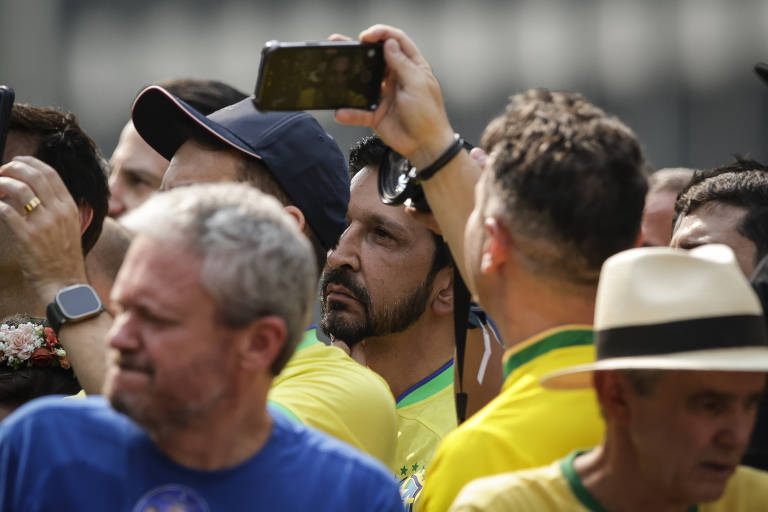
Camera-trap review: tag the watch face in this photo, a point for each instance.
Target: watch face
(78, 301)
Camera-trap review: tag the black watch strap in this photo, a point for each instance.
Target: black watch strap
(55, 316)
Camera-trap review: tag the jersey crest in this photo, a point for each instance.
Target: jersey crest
(171, 498)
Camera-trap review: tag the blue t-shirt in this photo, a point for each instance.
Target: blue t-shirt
(82, 455)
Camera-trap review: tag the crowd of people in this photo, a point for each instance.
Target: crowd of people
(182, 293)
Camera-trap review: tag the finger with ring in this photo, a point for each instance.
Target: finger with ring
(32, 204)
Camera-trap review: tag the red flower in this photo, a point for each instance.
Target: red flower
(41, 357)
(50, 337)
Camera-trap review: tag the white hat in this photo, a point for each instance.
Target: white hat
(671, 309)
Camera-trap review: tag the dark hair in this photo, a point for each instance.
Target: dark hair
(206, 96)
(369, 152)
(742, 183)
(20, 386)
(570, 179)
(63, 145)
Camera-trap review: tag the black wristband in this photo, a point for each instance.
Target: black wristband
(430, 170)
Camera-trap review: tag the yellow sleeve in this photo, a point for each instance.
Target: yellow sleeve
(454, 466)
(323, 387)
(747, 491)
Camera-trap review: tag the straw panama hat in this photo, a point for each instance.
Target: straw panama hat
(670, 309)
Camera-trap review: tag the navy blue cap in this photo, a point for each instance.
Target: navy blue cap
(300, 155)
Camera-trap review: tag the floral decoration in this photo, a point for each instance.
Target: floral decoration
(29, 344)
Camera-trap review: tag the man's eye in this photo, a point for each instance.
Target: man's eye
(711, 406)
(155, 319)
(137, 181)
(381, 233)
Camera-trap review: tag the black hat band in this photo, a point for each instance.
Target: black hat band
(736, 331)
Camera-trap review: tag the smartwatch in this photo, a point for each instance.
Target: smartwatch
(73, 304)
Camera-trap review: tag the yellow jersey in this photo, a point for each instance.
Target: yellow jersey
(323, 387)
(426, 412)
(557, 488)
(526, 425)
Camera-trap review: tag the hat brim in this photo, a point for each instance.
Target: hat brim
(742, 359)
(165, 122)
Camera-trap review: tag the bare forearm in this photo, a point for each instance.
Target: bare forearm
(451, 197)
(86, 346)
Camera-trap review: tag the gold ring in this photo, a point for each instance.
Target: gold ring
(32, 204)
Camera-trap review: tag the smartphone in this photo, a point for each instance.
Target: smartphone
(319, 75)
(6, 104)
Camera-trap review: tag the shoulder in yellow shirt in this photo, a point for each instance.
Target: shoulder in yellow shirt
(557, 488)
(323, 387)
(526, 426)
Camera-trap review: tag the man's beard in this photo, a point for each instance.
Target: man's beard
(158, 410)
(392, 318)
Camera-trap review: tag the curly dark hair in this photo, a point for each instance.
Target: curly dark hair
(63, 145)
(742, 183)
(570, 182)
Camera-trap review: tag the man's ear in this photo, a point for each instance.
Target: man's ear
(86, 216)
(442, 289)
(296, 214)
(261, 342)
(495, 246)
(611, 390)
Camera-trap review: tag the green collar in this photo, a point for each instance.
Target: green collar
(549, 341)
(309, 338)
(428, 386)
(577, 487)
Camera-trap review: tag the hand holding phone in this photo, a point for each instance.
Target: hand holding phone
(319, 76)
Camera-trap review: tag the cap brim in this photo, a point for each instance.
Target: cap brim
(165, 122)
(742, 359)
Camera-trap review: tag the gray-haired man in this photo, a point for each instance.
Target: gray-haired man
(214, 295)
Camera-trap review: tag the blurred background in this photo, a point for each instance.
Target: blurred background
(678, 72)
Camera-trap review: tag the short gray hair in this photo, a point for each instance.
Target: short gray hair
(256, 261)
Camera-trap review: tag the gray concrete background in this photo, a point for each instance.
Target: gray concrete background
(678, 72)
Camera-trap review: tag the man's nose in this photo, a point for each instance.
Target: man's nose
(346, 252)
(116, 207)
(122, 335)
(736, 430)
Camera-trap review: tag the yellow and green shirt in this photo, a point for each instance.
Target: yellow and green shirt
(425, 413)
(322, 386)
(557, 488)
(526, 425)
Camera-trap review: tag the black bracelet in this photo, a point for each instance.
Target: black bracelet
(430, 170)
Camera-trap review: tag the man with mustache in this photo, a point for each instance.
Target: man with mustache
(558, 187)
(214, 296)
(289, 156)
(286, 155)
(387, 293)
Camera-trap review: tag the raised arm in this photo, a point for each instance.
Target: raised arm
(411, 119)
(47, 244)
